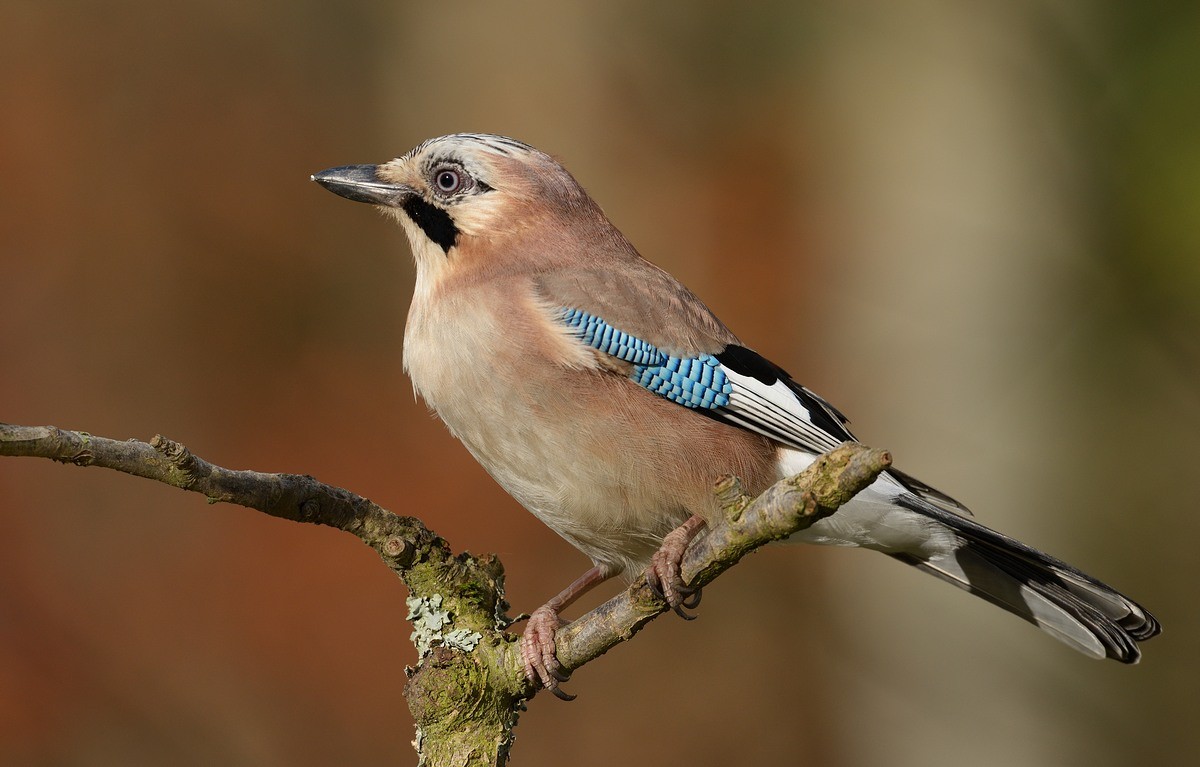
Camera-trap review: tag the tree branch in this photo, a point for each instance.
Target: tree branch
(469, 685)
(785, 508)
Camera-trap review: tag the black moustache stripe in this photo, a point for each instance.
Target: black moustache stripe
(434, 222)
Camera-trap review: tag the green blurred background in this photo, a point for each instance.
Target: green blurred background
(972, 226)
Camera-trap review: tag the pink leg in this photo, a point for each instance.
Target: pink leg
(537, 643)
(663, 573)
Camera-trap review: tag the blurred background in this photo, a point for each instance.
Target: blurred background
(973, 227)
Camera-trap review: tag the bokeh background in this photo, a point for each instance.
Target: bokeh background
(973, 226)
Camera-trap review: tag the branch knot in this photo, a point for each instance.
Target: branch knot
(188, 465)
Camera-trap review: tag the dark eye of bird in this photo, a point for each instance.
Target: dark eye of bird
(448, 180)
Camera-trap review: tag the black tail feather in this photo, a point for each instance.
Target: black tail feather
(1058, 598)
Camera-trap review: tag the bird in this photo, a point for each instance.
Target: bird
(606, 398)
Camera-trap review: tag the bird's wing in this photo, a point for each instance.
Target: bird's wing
(643, 301)
(666, 340)
(663, 338)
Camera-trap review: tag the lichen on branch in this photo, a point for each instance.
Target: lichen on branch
(469, 685)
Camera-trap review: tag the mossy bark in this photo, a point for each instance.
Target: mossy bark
(469, 684)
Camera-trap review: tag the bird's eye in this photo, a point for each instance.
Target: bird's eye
(448, 180)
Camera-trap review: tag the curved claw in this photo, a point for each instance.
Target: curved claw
(693, 598)
(558, 693)
(537, 643)
(537, 650)
(654, 586)
(663, 576)
(682, 614)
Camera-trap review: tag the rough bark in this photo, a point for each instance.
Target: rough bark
(469, 686)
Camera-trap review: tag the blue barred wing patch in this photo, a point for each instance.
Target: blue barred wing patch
(695, 382)
(736, 386)
(601, 336)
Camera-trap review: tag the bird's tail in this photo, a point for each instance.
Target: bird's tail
(1069, 605)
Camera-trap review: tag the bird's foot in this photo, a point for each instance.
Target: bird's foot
(663, 575)
(537, 649)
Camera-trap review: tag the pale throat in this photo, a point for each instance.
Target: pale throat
(432, 262)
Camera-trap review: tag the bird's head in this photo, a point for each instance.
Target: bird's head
(456, 190)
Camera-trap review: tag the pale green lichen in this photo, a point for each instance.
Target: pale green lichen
(462, 639)
(428, 619)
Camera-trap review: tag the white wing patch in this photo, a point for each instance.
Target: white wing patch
(774, 411)
(737, 385)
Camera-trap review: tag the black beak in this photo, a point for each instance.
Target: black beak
(361, 183)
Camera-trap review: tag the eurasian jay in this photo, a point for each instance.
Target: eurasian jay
(606, 398)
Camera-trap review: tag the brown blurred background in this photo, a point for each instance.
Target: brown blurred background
(974, 227)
